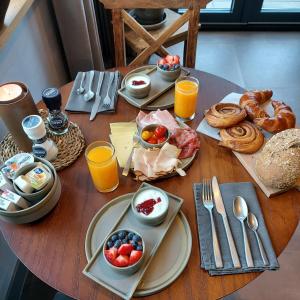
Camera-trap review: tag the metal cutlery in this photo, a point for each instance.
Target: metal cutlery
(253, 225)
(221, 210)
(97, 97)
(89, 95)
(128, 163)
(207, 198)
(80, 90)
(240, 211)
(107, 100)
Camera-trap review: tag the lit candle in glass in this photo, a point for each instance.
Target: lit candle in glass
(10, 91)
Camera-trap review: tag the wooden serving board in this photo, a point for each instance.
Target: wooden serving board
(247, 160)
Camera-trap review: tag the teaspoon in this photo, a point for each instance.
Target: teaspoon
(240, 211)
(253, 225)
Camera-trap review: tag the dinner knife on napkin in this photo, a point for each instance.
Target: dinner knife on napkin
(221, 210)
(97, 97)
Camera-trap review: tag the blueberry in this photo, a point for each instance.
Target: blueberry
(160, 66)
(134, 244)
(114, 237)
(177, 67)
(122, 234)
(125, 241)
(130, 235)
(139, 247)
(110, 244)
(166, 67)
(136, 238)
(117, 243)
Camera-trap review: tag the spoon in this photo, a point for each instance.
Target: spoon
(90, 94)
(240, 211)
(80, 90)
(253, 225)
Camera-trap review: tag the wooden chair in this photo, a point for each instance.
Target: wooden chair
(120, 16)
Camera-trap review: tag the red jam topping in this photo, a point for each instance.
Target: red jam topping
(147, 206)
(138, 82)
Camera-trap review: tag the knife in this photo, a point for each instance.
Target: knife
(97, 98)
(221, 210)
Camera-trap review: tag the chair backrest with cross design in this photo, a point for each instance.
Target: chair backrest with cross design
(121, 16)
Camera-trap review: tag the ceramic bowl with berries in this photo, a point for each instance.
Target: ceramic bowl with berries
(138, 85)
(169, 67)
(150, 205)
(154, 136)
(124, 250)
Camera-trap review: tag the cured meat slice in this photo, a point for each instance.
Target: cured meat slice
(187, 140)
(161, 117)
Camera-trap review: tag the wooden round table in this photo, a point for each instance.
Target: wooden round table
(53, 248)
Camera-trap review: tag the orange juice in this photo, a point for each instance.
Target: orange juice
(186, 91)
(103, 166)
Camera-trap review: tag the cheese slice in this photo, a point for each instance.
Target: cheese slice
(122, 138)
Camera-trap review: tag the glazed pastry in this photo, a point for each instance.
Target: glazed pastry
(278, 164)
(251, 101)
(244, 137)
(223, 115)
(284, 118)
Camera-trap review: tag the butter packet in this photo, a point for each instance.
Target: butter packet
(38, 177)
(14, 198)
(7, 205)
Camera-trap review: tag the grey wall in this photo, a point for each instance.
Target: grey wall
(32, 54)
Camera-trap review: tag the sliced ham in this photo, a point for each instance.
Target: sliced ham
(161, 117)
(151, 164)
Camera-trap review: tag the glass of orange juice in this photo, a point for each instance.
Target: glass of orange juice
(103, 166)
(186, 92)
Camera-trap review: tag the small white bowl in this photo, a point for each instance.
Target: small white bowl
(138, 91)
(160, 209)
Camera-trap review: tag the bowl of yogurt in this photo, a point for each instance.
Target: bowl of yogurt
(150, 205)
(138, 85)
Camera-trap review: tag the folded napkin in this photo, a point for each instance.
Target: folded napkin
(229, 191)
(76, 103)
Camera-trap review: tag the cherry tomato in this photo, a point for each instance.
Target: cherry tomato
(146, 135)
(161, 140)
(160, 131)
(152, 140)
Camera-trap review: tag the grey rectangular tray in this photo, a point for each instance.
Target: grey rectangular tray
(158, 87)
(121, 284)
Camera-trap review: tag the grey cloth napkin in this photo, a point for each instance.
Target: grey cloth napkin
(76, 103)
(229, 191)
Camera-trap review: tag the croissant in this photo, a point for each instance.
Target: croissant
(223, 115)
(251, 100)
(284, 118)
(244, 137)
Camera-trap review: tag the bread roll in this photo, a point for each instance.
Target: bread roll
(278, 164)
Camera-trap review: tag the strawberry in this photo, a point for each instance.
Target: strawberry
(162, 61)
(125, 249)
(169, 59)
(135, 255)
(121, 261)
(111, 254)
(176, 59)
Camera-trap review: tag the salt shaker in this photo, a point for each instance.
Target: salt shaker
(35, 129)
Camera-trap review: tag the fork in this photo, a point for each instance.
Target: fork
(107, 100)
(207, 198)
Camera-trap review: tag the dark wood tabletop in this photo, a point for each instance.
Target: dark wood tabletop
(53, 247)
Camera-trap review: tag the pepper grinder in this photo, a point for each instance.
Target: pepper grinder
(15, 104)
